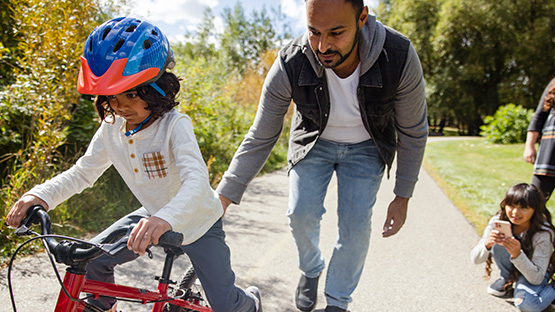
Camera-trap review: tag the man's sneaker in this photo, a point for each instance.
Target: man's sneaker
(499, 288)
(254, 292)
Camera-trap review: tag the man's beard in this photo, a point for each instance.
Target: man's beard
(343, 57)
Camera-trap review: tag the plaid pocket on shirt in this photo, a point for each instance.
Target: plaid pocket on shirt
(155, 165)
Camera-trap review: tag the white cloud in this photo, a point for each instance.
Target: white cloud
(183, 16)
(296, 10)
(187, 11)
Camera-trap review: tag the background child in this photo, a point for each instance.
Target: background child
(154, 149)
(525, 259)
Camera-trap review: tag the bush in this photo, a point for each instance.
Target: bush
(508, 125)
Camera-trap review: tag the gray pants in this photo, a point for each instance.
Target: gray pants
(209, 255)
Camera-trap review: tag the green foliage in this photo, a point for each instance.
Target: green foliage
(477, 54)
(222, 82)
(475, 174)
(36, 108)
(46, 124)
(81, 128)
(244, 39)
(8, 44)
(508, 125)
(220, 118)
(218, 122)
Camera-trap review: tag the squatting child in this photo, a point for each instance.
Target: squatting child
(525, 259)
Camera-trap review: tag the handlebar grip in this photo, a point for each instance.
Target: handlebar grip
(170, 239)
(35, 214)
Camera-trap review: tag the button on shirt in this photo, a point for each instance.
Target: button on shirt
(162, 166)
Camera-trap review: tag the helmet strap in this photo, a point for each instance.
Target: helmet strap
(157, 88)
(131, 132)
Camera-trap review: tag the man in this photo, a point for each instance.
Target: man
(359, 97)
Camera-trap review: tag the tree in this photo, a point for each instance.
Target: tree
(533, 26)
(244, 39)
(202, 43)
(473, 52)
(418, 21)
(8, 44)
(478, 54)
(35, 110)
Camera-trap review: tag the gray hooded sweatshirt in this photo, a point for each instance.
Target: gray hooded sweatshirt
(410, 114)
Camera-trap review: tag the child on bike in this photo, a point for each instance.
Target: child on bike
(525, 259)
(153, 148)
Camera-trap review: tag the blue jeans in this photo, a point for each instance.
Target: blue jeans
(528, 297)
(359, 170)
(209, 255)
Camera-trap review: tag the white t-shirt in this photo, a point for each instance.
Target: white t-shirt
(162, 166)
(345, 122)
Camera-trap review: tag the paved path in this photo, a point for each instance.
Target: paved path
(425, 267)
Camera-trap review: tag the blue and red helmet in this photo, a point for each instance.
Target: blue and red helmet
(121, 54)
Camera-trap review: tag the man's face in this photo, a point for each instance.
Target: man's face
(333, 33)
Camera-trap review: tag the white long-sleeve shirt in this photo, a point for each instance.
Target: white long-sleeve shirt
(162, 166)
(532, 269)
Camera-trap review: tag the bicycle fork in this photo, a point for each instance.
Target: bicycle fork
(74, 280)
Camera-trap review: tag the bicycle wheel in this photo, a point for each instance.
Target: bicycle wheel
(189, 289)
(90, 308)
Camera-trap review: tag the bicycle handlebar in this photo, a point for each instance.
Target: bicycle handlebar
(71, 252)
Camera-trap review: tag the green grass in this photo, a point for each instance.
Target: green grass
(476, 174)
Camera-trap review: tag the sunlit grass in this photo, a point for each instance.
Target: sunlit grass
(475, 174)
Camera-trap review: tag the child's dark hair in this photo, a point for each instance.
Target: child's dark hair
(528, 195)
(157, 104)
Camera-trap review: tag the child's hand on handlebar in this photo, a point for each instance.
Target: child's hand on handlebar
(147, 232)
(19, 209)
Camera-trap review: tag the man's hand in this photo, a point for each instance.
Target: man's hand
(225, 203)
(19, 209)
(396, 216)
(147, 232)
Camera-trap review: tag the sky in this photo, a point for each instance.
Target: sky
(183, 16)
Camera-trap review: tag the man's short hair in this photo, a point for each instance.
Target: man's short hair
(357, 5)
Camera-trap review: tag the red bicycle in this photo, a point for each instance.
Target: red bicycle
(76, 254)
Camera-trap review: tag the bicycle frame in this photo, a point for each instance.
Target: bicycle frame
(76, 283)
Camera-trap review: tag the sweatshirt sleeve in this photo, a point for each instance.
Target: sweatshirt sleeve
(480, 253)
(534, 269)
(412, 125)
(261, 137)
(80, 176)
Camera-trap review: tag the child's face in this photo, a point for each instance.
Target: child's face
(519, 215)
(129, 106)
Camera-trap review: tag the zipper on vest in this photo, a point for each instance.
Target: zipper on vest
(320, 95)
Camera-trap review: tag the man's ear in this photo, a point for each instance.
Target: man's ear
(363, 17)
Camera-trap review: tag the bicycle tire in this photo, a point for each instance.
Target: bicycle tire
(90, 308)
(188, 283)
(188, 279)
